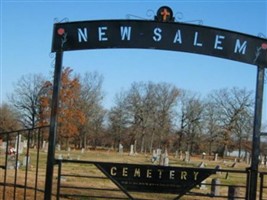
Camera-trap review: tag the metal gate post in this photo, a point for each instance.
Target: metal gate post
(53, 127)
(252, 185)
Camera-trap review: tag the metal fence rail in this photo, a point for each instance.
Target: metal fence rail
(86, 178)
(21, 174)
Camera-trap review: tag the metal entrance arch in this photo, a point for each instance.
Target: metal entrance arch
(165, 34)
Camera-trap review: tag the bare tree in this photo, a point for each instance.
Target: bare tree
(26, 96)
(212, 128)
(91, 104)
(147, 111)
(231, 106)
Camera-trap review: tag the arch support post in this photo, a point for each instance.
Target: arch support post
(253, 171)
(53, 126)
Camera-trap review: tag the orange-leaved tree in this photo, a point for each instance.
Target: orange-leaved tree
(70, 115)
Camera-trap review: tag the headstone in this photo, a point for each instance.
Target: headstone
(69, 157)
(19, 145)
(215, 157)
(3, 146)
(215, 187)
(176, 154)
(82, 151)
(25, 144)
(187, 156)
(26, 160)
(233, 193)
(154, 156)
(166, 158)
(58, 147)
(44, 145)
(131, 150)
(203, 183)
(166, 161)
(120, 148)
(158, 152)
(60, 157)
(203, 155)
(68, 149)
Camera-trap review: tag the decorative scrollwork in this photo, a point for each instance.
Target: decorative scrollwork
(178, 16)
(150, 13)
(261, 35)
(196, 21)
(56, 20)
(130, 16)
(53, 57)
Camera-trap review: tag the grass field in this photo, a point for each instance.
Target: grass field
(72, 180)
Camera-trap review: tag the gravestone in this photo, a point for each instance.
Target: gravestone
(3, 147)
(203, 183)
(215, 157)
(25, 144)
(203, 155)
(215, 187)
(187, 156)
(19, 145)
(58, 147)
(154, 156)
(164, 159)
(233, 193)
(131, 150)
(120, 148)
(25, 159)
(82, 151)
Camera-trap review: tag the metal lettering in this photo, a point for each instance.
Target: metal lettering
(195, 175)
(178, 37)
(113, 171)
(195, 40)
(102, 33)
(82, 35)
(125, 171)
(137, 172)
(172, 174)
(240, 48)
(126, 32)
(149, 173)
(183, 175)
(218, 42)
(157, 35)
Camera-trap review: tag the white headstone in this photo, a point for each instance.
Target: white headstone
(131, 150)
(120, 148)
(19, 145)
(26, 158)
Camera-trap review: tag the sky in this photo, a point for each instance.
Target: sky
(26, 38)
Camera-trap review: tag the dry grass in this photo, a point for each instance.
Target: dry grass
(100, 183)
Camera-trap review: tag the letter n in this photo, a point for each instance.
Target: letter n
(82, 35)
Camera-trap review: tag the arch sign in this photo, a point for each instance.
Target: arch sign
(165, 34)
(161, 34)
